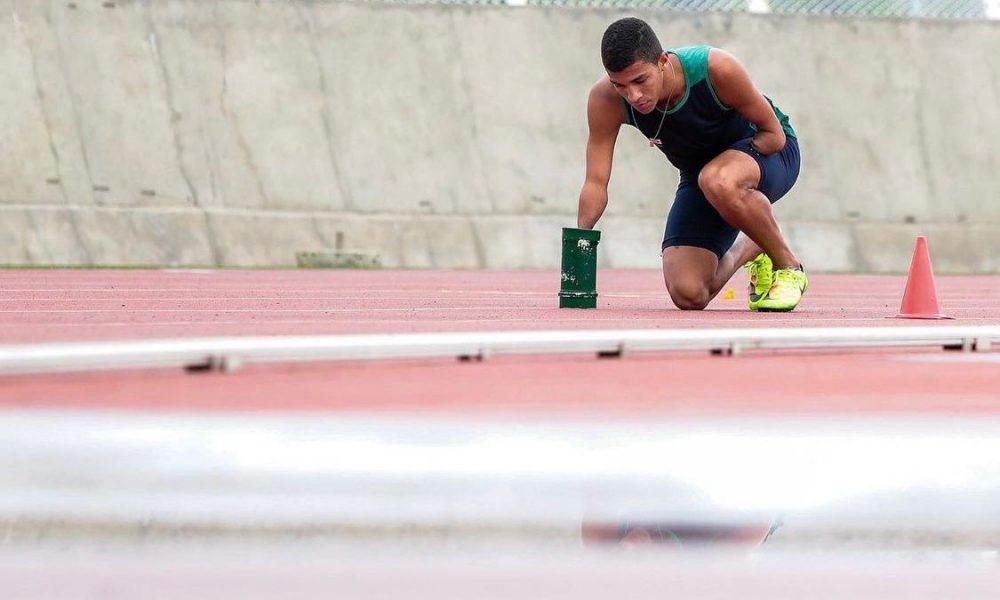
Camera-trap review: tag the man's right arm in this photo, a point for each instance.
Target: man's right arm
(604, 118)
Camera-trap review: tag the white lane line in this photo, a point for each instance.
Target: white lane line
(964, 357)
(487, 308)
(366, 293)
(659, 298)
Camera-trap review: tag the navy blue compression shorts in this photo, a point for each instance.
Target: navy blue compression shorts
(693, 221)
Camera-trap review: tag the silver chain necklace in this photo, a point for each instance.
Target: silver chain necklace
(655, 140)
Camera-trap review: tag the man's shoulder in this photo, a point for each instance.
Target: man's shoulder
(603, 97)
(602, 89)
(722, 64)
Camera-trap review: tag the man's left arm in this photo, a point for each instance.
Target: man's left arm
(733, 86)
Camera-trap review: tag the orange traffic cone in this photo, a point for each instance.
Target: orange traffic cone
(920, 296)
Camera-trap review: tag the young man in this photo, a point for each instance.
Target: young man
(736, 152)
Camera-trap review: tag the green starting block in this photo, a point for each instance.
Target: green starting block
(578, 288)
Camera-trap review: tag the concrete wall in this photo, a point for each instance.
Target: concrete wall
(237, 133)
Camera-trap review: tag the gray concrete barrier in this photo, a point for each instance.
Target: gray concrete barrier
(238, 133)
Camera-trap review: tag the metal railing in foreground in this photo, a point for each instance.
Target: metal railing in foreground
(230, 353)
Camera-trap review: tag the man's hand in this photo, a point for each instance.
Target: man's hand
(768, 142)
(593, 201)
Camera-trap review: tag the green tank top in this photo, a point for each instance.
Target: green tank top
(699, 127)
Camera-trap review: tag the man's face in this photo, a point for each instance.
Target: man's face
(640, 84)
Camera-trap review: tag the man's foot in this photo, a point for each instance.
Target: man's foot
(786, 291)
(760, 271)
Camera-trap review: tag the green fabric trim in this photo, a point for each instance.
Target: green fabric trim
(694, 59)
(694, 64)
(628, 113)
(782, 118)
(711, 88)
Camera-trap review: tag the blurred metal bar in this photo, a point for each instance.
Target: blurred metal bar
(878, 481)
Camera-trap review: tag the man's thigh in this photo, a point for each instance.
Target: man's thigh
(694, 222)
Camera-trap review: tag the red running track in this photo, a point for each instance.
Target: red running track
(60, 305)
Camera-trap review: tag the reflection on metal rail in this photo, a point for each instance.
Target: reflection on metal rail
(229, 353)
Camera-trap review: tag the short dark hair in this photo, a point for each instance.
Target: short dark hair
(629, 40)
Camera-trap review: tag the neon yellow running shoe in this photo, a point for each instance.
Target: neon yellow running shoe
(786, 291)
(760, 271)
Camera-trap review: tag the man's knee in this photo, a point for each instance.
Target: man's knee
(724, 186)
(718, 182)
(689, 295)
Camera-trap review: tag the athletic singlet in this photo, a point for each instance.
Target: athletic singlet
(700, 126)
